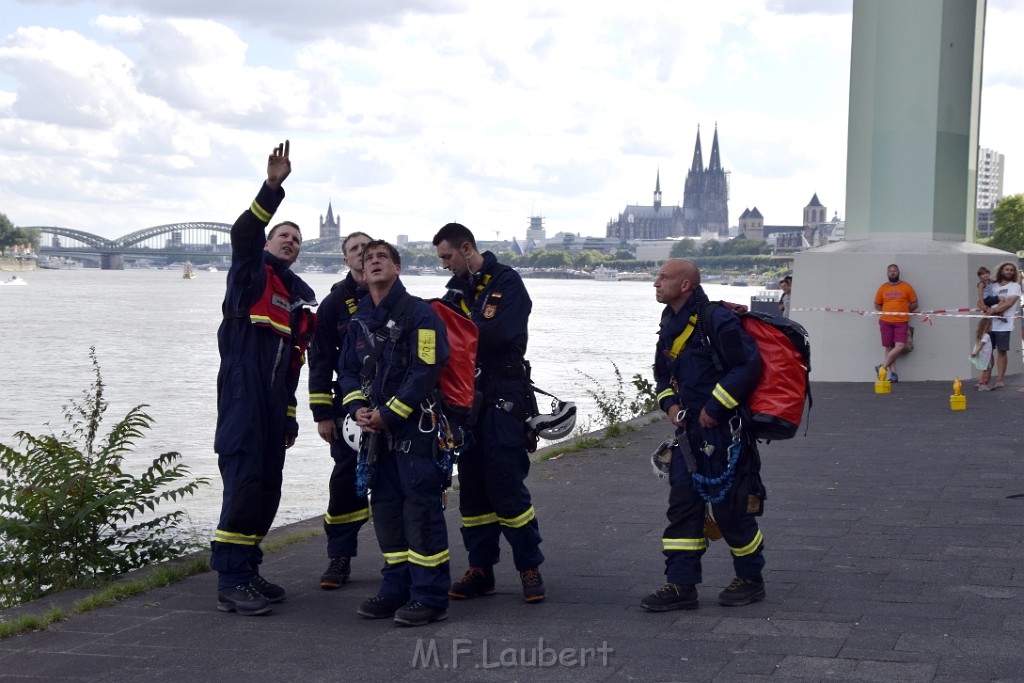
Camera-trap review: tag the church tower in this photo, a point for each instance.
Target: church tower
(706, 193)
(657, 191)
(329, 227)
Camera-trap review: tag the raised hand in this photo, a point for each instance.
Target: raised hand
(279, 166)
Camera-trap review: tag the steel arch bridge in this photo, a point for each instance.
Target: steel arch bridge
(196, 240)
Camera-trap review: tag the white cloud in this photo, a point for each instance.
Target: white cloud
(407, 114)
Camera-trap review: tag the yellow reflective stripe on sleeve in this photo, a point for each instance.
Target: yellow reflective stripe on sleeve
(480, 520)
(399, 408)
(684, 543)
(750, 548)
(348, 518)
(723, 397)
(291, 411)
(264, 320)
(320, 400)
(426, 346)
(356, 395)
(396, 558)
(260, 212)
(665, 394)
(519, 521)
(428, 560)
(679, 343)
(221, 536)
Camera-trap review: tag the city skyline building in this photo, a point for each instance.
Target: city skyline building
(990, 188)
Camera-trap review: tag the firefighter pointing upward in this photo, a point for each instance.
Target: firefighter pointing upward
(265, 332)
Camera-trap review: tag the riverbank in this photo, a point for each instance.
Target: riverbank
(893, 538)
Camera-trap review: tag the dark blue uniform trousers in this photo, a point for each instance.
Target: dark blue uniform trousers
(684, 541)
(346, 512)
(252, 493)
(493, 498)
(409, 521)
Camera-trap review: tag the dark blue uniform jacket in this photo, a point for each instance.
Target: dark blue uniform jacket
(496, 300)
(333, 317)
(257, 378)
(408, 369)
(683, 361)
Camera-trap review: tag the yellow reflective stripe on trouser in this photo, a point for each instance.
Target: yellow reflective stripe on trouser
(349, 517)
(750, 548)
(320, 400)
(260, 212)
(221, 536)
(723, 397)
(519, 521)
(684, 543)
(398, 408)
(356, 395)
(480, 520)
(428, 560)
(396, 558)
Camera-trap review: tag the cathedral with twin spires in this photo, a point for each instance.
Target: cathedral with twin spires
(705, 206)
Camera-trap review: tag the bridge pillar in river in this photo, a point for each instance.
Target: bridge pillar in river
(112, 261)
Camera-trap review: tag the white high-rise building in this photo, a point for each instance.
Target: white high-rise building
(990, 188)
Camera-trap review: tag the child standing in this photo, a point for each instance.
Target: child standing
(981, 355)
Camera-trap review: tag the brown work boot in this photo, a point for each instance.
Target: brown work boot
(476, 582)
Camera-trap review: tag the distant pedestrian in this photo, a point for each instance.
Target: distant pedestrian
(262, 340)
(981, 354)
(1007, 288)
(986, 289)
(346, 512)
(714, 463)
(786, 284)
(895, 299)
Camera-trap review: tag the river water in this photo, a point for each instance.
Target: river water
(156, 342)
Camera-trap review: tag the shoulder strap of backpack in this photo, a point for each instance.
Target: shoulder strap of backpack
(708, 336)
(390, 331)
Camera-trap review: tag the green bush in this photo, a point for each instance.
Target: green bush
(68, 509)
(615, 407)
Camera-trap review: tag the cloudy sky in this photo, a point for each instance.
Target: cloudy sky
(116, 115)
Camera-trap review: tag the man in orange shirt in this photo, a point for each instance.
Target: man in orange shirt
(894, 299)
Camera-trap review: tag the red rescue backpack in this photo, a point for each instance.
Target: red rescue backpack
(777, 403)
(458, 378)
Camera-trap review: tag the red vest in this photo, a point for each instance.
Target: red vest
(274, 308)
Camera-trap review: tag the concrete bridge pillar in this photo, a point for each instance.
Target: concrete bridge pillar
(112, 261)
(915, 84)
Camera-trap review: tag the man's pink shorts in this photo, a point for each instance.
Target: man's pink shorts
(893, 333)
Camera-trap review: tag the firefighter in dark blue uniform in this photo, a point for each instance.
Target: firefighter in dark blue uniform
(346, 512)
(262, 341)
(394, 351)
(703, 396)
(493, 498)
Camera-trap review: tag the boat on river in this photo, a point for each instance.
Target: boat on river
(188, 272)
(603, 274)
(13, 280)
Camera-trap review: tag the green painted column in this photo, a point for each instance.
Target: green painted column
(915, 81)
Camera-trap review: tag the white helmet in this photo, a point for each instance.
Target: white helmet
(661, 459)
(351, 434)
(556, 425)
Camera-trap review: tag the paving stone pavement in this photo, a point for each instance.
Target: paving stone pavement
(894, 540)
